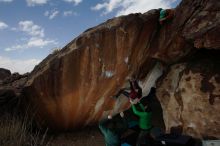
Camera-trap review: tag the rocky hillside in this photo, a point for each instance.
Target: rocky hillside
(73, 87)
(11, 86)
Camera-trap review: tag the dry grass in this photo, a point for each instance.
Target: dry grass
(17, 132)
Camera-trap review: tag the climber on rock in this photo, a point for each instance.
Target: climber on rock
(166, 15)
(144, 114)
(113, 129)
(135, 90)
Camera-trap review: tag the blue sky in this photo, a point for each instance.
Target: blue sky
(31, 29)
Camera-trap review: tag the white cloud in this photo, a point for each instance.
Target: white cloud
(69, 13)
(76, 2)
(109, 5)
(14, 29)
(15, 65)
(125, 7)
(36, 2)
(3, 25)
(51, 14)
(100, 6)
(38, 42)
(31, 43)
(6, 1)
(36, 34)
(31, 28)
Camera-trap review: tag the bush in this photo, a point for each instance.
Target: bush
(55, 50)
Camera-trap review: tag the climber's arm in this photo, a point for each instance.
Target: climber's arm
(136, 112)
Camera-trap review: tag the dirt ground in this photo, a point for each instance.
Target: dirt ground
(90, 136)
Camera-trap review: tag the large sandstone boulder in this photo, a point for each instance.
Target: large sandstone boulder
(190, 96)
(73, 87)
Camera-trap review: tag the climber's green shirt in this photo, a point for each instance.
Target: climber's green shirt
(162, 14)
(145, 117)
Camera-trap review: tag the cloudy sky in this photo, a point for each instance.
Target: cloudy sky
(32, 29)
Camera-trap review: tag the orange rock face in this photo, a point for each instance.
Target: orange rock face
(73, 87)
